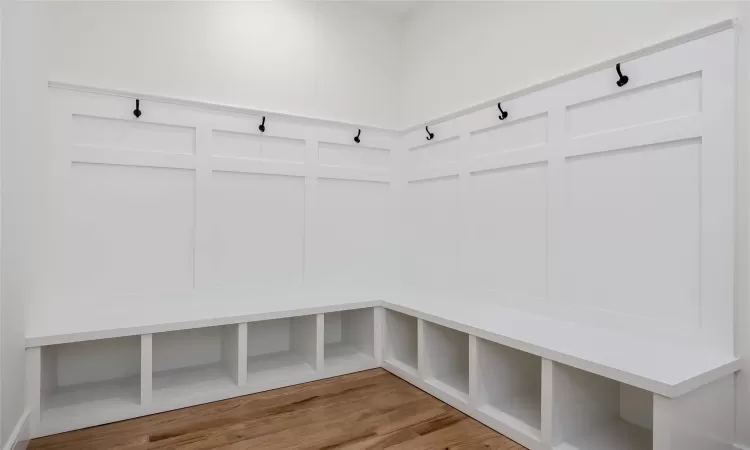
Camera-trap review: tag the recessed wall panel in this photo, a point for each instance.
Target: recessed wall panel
(431, 225)
(669, 99)
(353, 156)
(349, 237)
(511, 136)
(257, 229)
(133, 135)
(506, 240)
(252, 146)
(129, 228)
(434, 154)
(631, 231)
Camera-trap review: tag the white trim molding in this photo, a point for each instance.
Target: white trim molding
(19, 438)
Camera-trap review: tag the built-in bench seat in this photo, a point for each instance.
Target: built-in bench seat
(515, 371)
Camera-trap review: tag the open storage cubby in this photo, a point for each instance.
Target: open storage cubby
(81, 377)
(509, 386)
(592, 412)
(446, 362)
(281, 349)
(401, 341)
(195, 361)
(349, 338)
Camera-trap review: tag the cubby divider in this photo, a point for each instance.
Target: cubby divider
(281, 349)
(401, 341)
(508, 386)
(349, 339)
(591, 412)
(446, 360)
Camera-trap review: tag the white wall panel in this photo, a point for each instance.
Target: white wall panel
(432, 232)
(665, 100)
(434, 153)
(511, 136)
(102, 132)
(133, 227)
(355, 156)
(632, 231)
(506, 238)
(252, 146)
(257, 229)
(349, 236)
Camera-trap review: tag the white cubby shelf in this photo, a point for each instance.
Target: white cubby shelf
(79, 378)
(194, 362)
(401, 341)
(79, 384)
(592, 412)
(508, 386)
(446, 360)
(281, 349)
(349, 339)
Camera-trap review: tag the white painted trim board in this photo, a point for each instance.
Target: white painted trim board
(19, 437)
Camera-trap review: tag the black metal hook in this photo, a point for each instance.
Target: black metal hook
(137, 111)
(429, 135)
(623, 78)
(262, 126)
(356, 138)
(503, 114)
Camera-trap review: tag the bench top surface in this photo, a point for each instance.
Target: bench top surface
(657, 366)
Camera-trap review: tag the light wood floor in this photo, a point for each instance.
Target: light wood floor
(365, 410)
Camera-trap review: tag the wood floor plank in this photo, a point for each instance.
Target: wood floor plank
(371, 410)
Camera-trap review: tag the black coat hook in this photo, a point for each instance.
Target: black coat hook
(503, 114)
(137, 111)
(623, 78)
(356, 138)
(262, 126)
(429, 135)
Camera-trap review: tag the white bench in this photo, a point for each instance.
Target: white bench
(542, 382)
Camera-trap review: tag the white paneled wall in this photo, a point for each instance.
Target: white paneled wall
(611, 206)
(188, 197)
(591, 202)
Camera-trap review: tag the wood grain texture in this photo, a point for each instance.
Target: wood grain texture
(366, 410)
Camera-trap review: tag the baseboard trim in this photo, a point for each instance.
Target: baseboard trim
(19, 438)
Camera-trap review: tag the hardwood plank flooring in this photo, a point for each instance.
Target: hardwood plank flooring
(366, 410)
